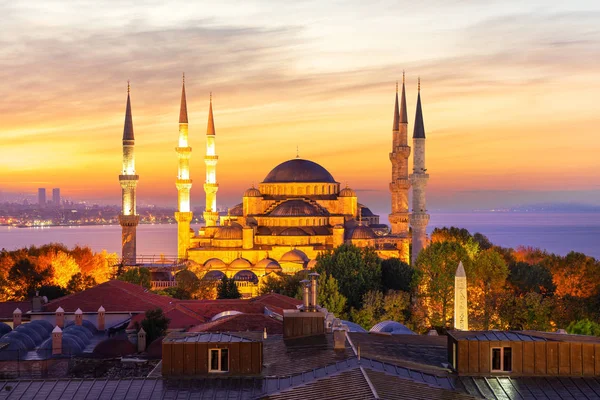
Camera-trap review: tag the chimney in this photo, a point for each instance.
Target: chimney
(57, 341)
(305, 294)
(101, 314)
(60, 317)
(141, 344)
(339, 335)
(17, 314)
(432, 332)
(265, 333)
(313, 290)
(36, 302)
(78, 317)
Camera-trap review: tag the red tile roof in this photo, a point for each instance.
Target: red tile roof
(113, 295)
(241, 323)
(7, 308)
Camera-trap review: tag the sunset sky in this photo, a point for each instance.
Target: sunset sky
(510, 91)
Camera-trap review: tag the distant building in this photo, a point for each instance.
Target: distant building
(42, 197)
(56, 197)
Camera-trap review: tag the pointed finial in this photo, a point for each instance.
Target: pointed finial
(128, 86)
(297, 152)
(211, 97)
(419, 84)
(396, 87)
(184, 78)
(403, 77)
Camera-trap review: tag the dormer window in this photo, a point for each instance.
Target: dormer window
(501, 359)
(219, 360)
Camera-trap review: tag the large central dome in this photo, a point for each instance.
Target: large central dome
(299, 170)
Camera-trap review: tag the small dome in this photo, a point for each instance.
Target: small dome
(246, 275)
(237, 210)
(393, 327)
(214, 263)
(252, 192)
(296, 208)
(80, 331)
(294, 256)
(4, 329)
(31, 332)
(44, 324)
(347, 192)
(293, 231)
(267, 263)
(12, 349)
(21, 337)
(240, 263)
(299, 170)
(230, 232)
(363, 232)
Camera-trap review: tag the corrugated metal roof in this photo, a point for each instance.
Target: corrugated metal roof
(531, 388)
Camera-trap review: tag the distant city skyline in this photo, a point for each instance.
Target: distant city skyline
(508, 93)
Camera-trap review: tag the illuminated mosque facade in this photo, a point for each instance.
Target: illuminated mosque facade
(298, 210)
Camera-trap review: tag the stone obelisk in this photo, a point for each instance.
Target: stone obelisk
(461, 313)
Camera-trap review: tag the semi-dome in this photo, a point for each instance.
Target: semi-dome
(266, 263)
(393, 327)
(311, 264)
(252, 192)
(294, 256)
(246, 275)
(215, 263)
(299, 170)
(293, 231)
(214, 275)
(363, 232)
(296, 208)
(240, 263)
(237, 210)
(347, 192)
(230, 232)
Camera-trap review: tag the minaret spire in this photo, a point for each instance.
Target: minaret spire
(211, 187)
(128, 179)
(183, 215)
(419, 219)
(400, 185)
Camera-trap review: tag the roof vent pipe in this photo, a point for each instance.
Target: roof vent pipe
(313, 290)
(305, 294)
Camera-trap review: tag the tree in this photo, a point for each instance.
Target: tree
(584, 327)
(576, 275)
(396, 304)
(330, 297)
(227, 289)
(188, 284)
(436, 269)
(25, 278)
(52, 291)
(80, 282)
(524, 278)
(529, 311)
(458, 235)
(483, 241)
(371, 311)
(396, 275)
(357, 270)
(137, 276)
(155, 323)
(486, 280)
(63, 266)
(287, 285)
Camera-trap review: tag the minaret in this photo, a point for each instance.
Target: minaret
(183, 215)
(211, 216)
(419, 217)
(461, 312)
(128, 179)
(399, 158)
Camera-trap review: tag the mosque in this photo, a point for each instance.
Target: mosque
(298, 210)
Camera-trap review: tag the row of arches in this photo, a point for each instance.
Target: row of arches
(287, 221)
(294, 189)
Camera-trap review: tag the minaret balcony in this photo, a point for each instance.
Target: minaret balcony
(399, 185)
(400, 153)
(419, 219)
(211, 158)
(129, 177)
(183, 150)
(418, 178)
(129, 220)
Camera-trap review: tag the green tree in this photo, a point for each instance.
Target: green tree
(227, 289)
(137, 276)
(458, 235)
(396, 304)
(188, 284)
(80, 282)
(584, 327)
(52, 291)
(529, 311)
(25, 278)
(155, 323)
(330, 297)
(396, 275)
(524, 278)
(370, 312)
(357, 270)
(487, 279)
(436, 268)
(287, 285)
